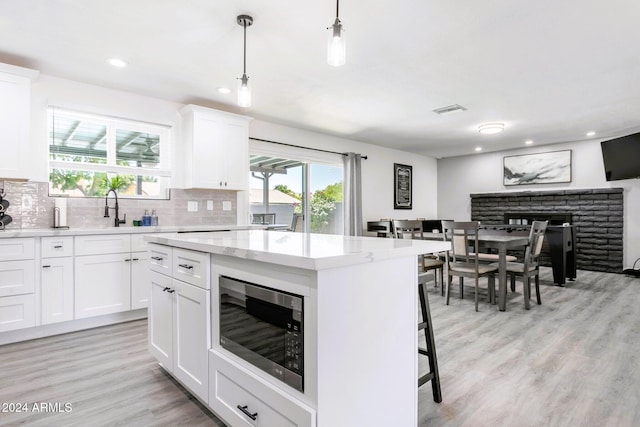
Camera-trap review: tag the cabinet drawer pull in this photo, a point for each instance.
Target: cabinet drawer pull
(57, 247)
(127, 260)
(244, 410)
(157, 258)
(187, 266)
(135, 259)
(166, 289)
(46, 266)
(171, 291)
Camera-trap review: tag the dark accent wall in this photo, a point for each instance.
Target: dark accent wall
(596, 213)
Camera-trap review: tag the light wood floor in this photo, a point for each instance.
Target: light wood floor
(573, 361)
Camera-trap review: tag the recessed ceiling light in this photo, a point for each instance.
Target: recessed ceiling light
(491, 128)
(117, 62)
(528, 142)
(591, 133)
(224, 90)
(478, 148)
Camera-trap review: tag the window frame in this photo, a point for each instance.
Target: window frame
(163, 169)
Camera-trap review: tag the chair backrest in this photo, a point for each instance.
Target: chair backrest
(407, 229)
(536, 238)
(296, 222)
(463, 237)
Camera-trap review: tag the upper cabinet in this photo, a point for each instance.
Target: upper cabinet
(15, 112)
(216, 145)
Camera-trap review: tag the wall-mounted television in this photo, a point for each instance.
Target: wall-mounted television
(621, 157)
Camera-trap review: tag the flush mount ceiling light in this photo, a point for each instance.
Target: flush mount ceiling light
(244, 91)
(528, 142)
(117, 62)
(478, 148)
(336, 44)
(224, 90)
(491, 128)
(591, 133)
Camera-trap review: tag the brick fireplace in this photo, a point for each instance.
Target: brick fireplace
(597, 215)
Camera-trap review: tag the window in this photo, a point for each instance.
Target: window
(88, 154)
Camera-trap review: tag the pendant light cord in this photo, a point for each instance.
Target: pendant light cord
(244, 66)
(337, 8)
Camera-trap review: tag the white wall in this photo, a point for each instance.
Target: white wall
(377, 170)
(481, 173)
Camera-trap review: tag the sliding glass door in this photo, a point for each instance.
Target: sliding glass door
(300, 195)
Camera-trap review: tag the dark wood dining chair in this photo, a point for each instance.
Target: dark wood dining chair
(530, 267)
(412, 229)
(462, 260)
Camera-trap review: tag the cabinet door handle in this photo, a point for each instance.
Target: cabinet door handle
(46, 266)
(166, 289)
(57, 247)
(187, 266)
(135, 259)
(127, 260)
(171, 291)
(244, 410)
(157, 258)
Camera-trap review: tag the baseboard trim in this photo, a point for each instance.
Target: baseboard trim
(70, 326)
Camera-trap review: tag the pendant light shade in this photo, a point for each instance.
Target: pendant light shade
(336, 44)
(244, 91)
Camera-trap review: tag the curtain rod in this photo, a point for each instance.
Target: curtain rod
(298, 146)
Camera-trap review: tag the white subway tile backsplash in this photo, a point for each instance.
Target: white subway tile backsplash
(31, 207)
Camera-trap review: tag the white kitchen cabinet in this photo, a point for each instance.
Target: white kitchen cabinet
(17, 284)
(161, 319)
(15, 93)
(103, 284)
(216, 145)
(242, 399)
(179, 323)
(56, 291)
(56, 279)
(140, 287)
(17, 312)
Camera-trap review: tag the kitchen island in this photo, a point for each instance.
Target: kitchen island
(359, 310)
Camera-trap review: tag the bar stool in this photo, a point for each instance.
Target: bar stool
(430, 351)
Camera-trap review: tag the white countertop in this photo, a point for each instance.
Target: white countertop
(308, 251)
(46, 232)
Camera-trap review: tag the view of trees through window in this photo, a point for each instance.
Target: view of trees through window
(90, 154)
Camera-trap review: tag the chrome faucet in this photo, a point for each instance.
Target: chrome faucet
(117, 221)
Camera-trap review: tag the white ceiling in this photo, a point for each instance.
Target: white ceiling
(550, 70)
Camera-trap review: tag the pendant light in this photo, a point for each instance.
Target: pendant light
(336, 44)
(244, 91)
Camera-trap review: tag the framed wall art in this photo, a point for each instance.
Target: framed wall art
(541, 168)
(402, 186)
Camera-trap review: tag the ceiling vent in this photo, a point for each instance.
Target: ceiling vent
(455, 108)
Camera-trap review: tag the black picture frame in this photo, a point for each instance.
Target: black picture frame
(402, 186)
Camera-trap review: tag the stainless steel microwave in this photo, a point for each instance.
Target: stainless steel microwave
(263, 326)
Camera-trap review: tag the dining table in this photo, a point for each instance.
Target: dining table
(502, 243)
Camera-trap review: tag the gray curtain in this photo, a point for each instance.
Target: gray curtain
(352, 195)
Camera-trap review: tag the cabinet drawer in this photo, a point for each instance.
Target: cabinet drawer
(231, 387)
(17, 277)
(57, 246)
(12, 249)
(17, 312)
(102, 244)
(160, 258)
(192, 267)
